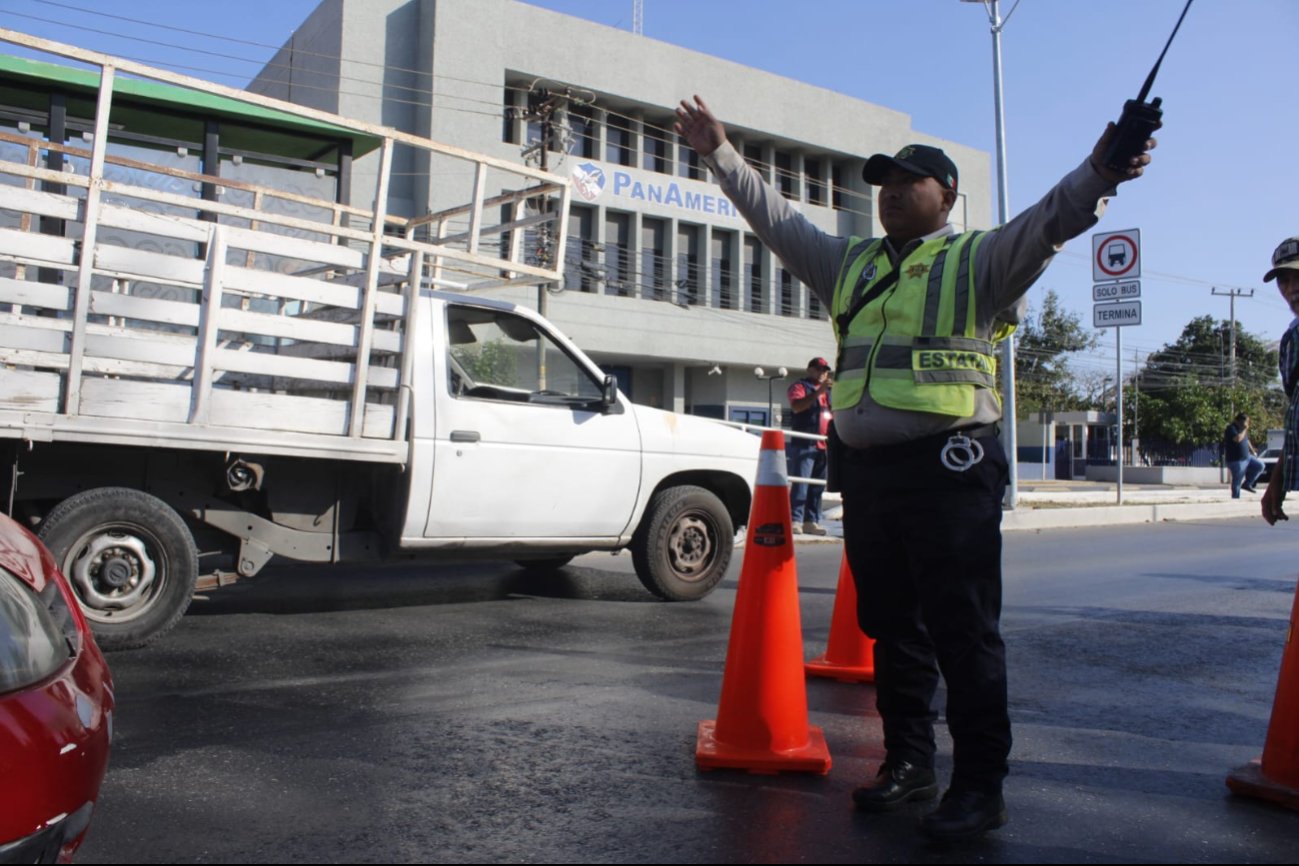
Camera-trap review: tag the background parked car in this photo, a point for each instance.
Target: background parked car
(56, 707)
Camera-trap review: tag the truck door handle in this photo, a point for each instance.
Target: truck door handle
(465, 436)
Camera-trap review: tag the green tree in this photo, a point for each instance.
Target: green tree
(1189, 390)
(1043, 379)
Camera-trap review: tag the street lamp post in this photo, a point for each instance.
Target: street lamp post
(770, 377)
(1008, 432)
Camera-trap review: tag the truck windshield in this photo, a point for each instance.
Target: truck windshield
(501, 356)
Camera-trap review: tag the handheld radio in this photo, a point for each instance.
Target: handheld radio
(1139, 118)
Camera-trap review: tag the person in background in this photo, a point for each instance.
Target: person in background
(1285, 270)
(809, 400)
(1240, 457)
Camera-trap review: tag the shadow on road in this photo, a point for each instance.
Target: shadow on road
(296, 589)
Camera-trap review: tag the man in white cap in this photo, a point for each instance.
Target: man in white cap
(1285, 270)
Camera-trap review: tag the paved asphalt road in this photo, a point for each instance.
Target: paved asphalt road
(469, 714)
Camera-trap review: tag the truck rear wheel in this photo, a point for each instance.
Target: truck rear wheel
(684, 543)
(129, 557)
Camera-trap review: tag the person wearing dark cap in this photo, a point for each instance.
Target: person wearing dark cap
(809, 400)
(1285, 475)
(917, 314)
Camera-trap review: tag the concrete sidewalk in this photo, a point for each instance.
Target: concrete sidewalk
(1061, 504)
(1055, 504)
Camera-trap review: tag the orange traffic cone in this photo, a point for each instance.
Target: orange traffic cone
(1276, 776)
(761, 723)
(849, 654)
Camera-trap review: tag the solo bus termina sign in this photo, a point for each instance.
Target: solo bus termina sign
(1116, 255)
(1116, 314)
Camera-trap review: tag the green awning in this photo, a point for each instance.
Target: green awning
(166, 111)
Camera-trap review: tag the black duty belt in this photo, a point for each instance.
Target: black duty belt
(925, 445)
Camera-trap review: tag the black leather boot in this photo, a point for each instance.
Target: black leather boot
(896, 783)
(964, 815)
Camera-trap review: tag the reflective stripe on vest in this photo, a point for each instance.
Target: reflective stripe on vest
(915, 347)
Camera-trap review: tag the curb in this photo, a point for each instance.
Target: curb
(1030, 518)
(1116, 515)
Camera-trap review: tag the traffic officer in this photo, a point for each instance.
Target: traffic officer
(917, 314)
(1285, 475)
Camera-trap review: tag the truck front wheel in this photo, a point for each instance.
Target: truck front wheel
(130, 559)
(684, 543)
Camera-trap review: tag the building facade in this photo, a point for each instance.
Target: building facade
(665, 287)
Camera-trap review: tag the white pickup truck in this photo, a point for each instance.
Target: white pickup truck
(209, 360)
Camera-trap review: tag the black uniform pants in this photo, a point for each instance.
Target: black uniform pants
(924, 545)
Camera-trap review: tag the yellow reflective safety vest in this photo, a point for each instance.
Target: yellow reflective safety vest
(910, 337)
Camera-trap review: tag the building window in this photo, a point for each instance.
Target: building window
(753, 156)
(619, 279)
(654, 261)
(582, 138)
(723, 265)
(657, 146)
(815, 181)
(838, 193)
(689, 290)
(688, 163)
(509, 118)
(786, 180)
(617, 140)
(582, 271)
(814, 308)
(536, 99)
(753, 282)
(749, 415)
(788, 293)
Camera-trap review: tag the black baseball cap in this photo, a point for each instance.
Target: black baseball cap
(1286, 257)
(918, 159)
(818, 362)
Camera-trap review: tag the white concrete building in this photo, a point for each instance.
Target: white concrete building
(666, 288)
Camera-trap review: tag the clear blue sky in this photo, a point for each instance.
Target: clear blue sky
(1217, 200)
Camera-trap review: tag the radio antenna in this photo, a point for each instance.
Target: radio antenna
(1150, 79)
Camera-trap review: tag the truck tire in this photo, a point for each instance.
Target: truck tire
(684, 543)
(130, 559)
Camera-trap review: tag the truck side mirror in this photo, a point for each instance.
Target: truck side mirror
(609, 395)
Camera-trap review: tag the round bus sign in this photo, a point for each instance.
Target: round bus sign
(1116, 255)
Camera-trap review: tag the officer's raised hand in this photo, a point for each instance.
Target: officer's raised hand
(697, 125)
(1136, 165)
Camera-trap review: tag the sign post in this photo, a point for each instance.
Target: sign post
(1116, 269)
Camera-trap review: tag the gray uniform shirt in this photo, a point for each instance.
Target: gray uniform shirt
(1010, 260)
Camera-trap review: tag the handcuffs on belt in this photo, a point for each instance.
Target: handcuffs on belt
(961, 453)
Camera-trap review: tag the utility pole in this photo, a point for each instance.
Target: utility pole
(1234, 294)
(1009, 434)
(544, 112)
